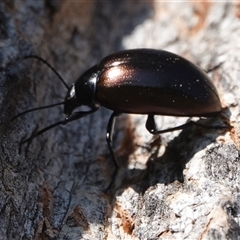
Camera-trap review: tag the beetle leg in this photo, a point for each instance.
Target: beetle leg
(76, 115)
(109, 135)
(151, 126)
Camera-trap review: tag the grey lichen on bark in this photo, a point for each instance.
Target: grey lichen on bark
(173, 186)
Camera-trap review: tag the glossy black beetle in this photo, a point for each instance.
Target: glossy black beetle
(140, 81)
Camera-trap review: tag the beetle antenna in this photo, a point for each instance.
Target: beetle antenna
(74, 116)
(52, 68)
(43, 130)
(35, 109)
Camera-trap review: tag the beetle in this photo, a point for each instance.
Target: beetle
(139, 81)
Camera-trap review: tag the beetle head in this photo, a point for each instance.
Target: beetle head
(71, 101)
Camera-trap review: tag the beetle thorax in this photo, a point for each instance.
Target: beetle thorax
(83, 91)
(85, 87)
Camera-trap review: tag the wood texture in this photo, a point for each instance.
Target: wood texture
(180, 185)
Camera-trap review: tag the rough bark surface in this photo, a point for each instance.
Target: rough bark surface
(180, 185)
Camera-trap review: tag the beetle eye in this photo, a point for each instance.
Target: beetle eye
(72, 92)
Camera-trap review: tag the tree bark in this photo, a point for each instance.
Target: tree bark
(180, 185)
